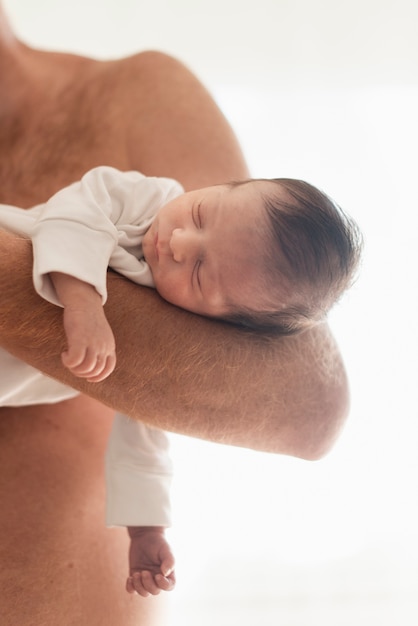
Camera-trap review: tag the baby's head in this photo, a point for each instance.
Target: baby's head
(312, 252)
(271, 255)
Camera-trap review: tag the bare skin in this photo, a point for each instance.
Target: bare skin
(151, 561)
(61, 115)
(90, 344)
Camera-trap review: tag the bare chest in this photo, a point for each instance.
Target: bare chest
(55, 145)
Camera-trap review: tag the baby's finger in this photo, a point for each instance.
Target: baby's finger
(136, 579)
(94, 366)
(73, 358)
(106, 368)
(149, 583)
(130, 585)
(136, 585)
(80, 366)
(165, 583)
(167, 561)
(144, 584)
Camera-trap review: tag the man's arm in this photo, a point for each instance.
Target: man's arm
(241, 390)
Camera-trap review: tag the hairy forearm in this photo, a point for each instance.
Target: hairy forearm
(184, 373)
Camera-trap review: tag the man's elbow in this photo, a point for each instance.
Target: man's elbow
(313, 434)
(324, 427)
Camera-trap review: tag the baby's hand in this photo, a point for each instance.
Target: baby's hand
(91, 346)
(151, 562)
(90, 343)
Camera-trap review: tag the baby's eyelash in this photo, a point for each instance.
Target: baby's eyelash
(194, 215)
(197, 219)
(196, 273)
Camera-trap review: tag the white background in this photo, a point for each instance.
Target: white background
(324, 90)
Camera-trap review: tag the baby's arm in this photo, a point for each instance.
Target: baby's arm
(151, 562)
(90, 349)
(138, 479)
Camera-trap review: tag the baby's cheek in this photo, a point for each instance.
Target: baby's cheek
(168, 286)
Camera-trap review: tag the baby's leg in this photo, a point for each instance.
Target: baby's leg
(59, 563)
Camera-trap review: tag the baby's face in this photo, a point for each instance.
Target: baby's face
(205, 247)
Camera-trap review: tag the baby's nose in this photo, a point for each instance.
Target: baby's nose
(176, 246)
(181, 245)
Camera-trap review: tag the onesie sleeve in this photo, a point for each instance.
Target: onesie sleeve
(82, 226)
(138, 475)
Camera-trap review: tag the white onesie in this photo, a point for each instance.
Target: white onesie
(94, 223)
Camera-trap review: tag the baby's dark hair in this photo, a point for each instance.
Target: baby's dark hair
(315, 249)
